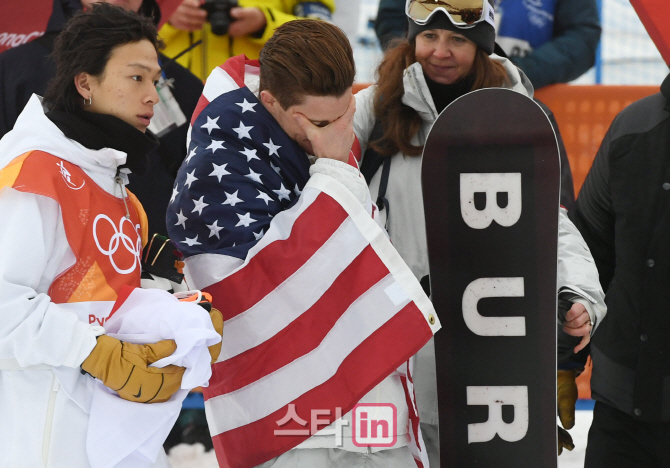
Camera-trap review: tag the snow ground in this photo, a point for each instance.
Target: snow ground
(194, 456)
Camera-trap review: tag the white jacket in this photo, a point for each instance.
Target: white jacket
(42, 344)
(577, 273)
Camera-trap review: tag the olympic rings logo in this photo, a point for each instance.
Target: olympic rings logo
(119, 237)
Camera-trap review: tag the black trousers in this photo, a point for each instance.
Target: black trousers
(619, 440)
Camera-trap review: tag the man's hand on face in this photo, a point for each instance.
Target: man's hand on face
(332, 141)
(247, 21)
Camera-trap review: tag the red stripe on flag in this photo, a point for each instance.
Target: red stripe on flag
(412, 416)
(312, 327)
(202, 103)
(279, 260)
(356, 150)
(256, 442)
(235, 67)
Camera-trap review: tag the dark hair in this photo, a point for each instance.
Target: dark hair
(86, 44)
(400, 122)
(306, 57)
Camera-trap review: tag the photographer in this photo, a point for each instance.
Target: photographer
(228, 28)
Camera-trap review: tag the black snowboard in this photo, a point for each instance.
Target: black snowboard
(496, 357)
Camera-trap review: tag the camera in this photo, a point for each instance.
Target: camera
(218, 14)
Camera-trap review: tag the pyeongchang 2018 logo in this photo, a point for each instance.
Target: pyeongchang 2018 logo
(67, 177)
(374, 425)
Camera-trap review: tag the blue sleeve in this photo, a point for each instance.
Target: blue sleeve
(572, 50)
(391, 21)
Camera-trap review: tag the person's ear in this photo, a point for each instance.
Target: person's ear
(268, 99)
(83, 84)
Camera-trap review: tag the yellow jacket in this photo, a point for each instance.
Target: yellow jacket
(221, 48)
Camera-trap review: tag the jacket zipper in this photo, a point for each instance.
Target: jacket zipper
(48, 423)
(119, 181)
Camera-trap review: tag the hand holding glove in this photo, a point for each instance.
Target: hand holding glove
(124, 367)
(566, 398)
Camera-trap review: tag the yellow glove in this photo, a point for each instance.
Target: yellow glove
(217, 321)
(124, 367)
(566, 398)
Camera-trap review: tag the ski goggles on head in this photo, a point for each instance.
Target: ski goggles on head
(462, 13)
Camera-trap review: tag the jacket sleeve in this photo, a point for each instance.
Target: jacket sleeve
(364, 118)
(34, 330)
(277, 13)
(577, 273)
(572, 50)
(391, 21)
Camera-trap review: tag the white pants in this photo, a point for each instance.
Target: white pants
(338, 458)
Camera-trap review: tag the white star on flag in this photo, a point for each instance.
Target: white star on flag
(210, 125)
(245, 220)
(191, 242)
(272, 147)
(214, 229)
(215, 145)
(181, 219)
(231, 199)
(246, 105)
(258, 235)
(250, 154)
(243, 131)
(264, 196)
(175, 192)
(190, 178)
(297, 191)
(190, 155)
(199, 205)
(283, 193)
(219, 171)
(276, 168)
(255, 176)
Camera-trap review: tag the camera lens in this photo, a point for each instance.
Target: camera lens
(220, 22)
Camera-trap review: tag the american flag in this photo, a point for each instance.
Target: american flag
(318, 306)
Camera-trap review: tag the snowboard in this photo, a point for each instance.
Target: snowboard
(491, 183)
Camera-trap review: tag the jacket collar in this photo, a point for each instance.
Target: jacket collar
(665, 90)
(34, 131)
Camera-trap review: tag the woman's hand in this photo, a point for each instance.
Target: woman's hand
(578, 323)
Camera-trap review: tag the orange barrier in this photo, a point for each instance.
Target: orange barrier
(584, 113)
(358, 86)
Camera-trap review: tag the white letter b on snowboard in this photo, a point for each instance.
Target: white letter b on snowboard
(491, 184)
